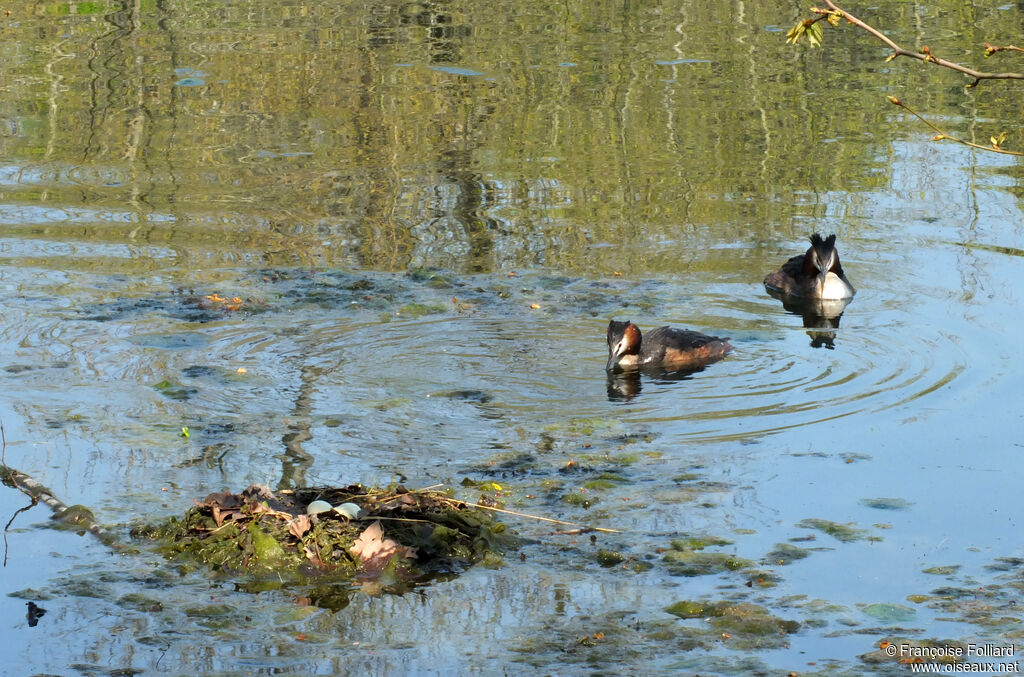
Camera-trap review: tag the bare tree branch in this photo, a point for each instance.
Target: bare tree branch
(992, 49)
(941, 135)
(833, 14)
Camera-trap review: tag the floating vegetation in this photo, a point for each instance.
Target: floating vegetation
(693, 609)
(843, 532)
(1005, 564)
(583, 426)
(992, 605)
(605, 480)
(579, 499)
(420, 309)
(686, 559)
(785, 553)
(478, 396)
(890, 613)
(174, 391)
(741, 625)
(428, 291)
(179, 304)
(942, 570)
(686, 477)
(610, 558)
(886, 503)
(698, 542)
(391, 537)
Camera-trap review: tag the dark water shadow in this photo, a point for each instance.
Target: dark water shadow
(821, 317)
(623, 386)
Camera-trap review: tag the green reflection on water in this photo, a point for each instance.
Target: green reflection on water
(390, 135)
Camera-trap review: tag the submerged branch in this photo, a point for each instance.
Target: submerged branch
(75, 516)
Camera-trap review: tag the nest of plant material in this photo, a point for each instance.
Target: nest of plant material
(398, 535)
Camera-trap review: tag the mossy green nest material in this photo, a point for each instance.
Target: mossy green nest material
(399, 536)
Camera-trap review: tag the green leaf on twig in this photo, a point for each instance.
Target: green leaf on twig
(795, 33)
(814, 35)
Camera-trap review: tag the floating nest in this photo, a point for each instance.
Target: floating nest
(392, 538)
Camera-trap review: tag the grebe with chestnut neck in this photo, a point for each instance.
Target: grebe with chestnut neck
(664, 348)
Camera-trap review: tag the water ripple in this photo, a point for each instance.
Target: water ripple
(382, 384)
(773, 383)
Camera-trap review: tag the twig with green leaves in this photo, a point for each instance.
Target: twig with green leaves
(811, 29)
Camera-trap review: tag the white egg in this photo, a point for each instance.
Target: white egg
(348, 510)
(317, 507)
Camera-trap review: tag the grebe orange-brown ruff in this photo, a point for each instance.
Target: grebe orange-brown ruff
(664, 347)
(815, 274)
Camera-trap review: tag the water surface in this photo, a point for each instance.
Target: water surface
(377, 243)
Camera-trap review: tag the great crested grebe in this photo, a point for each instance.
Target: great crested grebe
(815, 274)
(664, 347)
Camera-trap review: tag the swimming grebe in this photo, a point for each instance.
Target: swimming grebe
(664, 347)
(815, 274)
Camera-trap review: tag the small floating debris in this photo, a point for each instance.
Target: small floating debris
(35, 612)
(215, 300)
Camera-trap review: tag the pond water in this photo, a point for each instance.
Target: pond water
(373, 242)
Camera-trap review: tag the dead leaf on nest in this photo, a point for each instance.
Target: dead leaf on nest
(374, 551)
(221, 516)
(264, 509)
(224, 499)
(299, 526)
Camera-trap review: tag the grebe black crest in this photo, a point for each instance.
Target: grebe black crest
(815, 274)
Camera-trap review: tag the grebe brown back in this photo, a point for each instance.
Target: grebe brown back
(664, 347)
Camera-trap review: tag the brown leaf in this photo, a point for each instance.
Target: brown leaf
(264, 509)
(374, 551)
(299, 525)
(370, 543)
(222, 515)
(224, 499)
